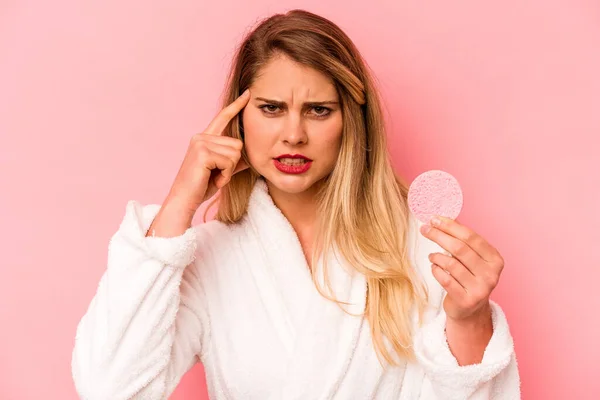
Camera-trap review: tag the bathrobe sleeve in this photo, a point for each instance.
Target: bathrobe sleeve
(495, 378)
(145, 326)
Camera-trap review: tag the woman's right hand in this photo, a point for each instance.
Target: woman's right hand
(210, 162)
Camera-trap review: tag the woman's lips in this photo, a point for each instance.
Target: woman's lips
(294, 167)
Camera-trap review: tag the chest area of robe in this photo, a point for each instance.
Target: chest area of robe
(273, 335)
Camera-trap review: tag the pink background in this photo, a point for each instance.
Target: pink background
(98, 101)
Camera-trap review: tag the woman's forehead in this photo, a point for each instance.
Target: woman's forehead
(285, 80)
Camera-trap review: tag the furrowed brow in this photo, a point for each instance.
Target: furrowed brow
(308, 103)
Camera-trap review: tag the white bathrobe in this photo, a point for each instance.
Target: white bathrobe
(241, 300)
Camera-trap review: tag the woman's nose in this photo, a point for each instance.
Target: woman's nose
(294, 131)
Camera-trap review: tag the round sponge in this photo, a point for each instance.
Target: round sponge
(435, 193)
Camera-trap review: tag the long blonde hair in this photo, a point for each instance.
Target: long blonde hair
(363, 205)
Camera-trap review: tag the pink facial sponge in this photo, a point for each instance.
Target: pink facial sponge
(435, 193)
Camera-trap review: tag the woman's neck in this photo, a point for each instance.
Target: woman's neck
(300, 209)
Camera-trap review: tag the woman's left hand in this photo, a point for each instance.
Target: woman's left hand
(470, 274)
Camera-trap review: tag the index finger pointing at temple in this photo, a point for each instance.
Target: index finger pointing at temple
(219, 123)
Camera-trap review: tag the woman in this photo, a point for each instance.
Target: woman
(313, 281)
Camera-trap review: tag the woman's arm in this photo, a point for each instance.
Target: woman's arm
(462, 358)
(145, 326)
(495, 377)
(468, 338)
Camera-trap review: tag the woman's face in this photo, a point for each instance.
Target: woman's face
(282, 119)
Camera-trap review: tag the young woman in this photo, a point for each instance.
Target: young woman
(314, 281)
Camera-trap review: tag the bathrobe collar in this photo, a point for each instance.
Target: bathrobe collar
(321, 339)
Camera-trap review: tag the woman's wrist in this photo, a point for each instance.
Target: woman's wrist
(468, 337)
(172, 220)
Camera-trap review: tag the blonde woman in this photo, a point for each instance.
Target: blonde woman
(313, 281)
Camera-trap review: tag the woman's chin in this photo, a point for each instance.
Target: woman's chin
(290, 183)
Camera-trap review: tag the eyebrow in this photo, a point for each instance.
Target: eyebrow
(309, 103)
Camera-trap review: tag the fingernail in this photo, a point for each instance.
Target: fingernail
(246, 92)
(435, 221)
(425, 229)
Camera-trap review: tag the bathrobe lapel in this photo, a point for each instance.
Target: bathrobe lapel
(327, 341)
(281, 274)
(319, 336)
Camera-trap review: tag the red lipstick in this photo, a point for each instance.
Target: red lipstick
(292, 168)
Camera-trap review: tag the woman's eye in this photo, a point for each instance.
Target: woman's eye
(321, 111)
(269, 107)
